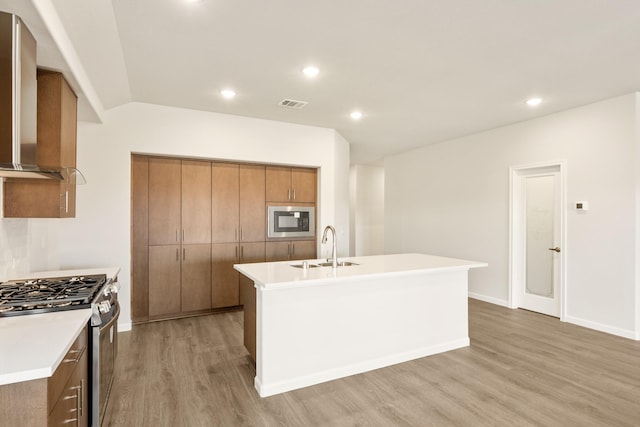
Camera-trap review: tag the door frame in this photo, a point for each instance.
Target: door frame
(517, 230)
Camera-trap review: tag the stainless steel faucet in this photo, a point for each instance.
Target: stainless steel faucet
(334, 251)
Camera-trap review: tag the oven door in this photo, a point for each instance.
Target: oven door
(105, 349)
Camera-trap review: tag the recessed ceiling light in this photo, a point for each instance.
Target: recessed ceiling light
(227, 93)
(534, 102)
(356, 115)
(311, 71)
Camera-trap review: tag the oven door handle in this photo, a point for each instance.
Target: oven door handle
(116, 314)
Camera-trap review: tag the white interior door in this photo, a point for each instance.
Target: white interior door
(537, 239)
(541, 210)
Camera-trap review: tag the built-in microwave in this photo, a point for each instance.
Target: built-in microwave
(291, 221)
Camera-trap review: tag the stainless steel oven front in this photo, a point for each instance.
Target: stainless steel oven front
(104, 346)
(291, 221)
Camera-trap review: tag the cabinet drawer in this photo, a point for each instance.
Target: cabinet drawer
(71, 408)
(65, 369)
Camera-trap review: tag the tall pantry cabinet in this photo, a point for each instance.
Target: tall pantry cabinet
(191, 221)
(179, 236)
(239, 226)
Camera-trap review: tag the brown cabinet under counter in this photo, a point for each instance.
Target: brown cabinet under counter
(61, 399)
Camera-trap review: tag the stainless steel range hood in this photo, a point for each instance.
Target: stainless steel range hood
(18, 109)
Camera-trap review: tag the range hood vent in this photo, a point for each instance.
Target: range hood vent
(18, 105)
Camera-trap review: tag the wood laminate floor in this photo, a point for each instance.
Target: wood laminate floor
(522, 369)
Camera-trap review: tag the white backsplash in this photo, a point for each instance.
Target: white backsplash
(27, 245)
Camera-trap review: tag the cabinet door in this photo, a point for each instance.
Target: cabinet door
(164, 201)
(253, 217)
(249, 314)
(225, 291)
(304, 184)
(196, 277)
(164, 280)
(225, 215)
(196, 202)
(250, 252)
(303, 249)
(278, 251)
(68, 136)
(140, 238)
(278, 184)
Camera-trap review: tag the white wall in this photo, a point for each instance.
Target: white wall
(367, 210)
(452, 199)
(101, 231)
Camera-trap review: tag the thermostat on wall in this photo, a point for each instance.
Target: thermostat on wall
(582, 206)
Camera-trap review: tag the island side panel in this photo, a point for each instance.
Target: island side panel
(311, 334)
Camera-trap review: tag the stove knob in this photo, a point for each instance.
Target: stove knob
(111, 289)
(104, 307)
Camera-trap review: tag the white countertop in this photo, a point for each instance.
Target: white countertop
(271, 275)
(33, 345)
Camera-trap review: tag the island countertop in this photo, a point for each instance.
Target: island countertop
(33, 345)
(271, 275)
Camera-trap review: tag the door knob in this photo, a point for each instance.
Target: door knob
(557, 249)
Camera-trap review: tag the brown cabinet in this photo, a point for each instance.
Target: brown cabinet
(192, 220)
(179, 235)
(253, 216)
(250, 252)
(56, 147)
(225, 290)
(164, 280)
(238, 221)
(62, 399)
(165, 186)
(290, 250)
(285, 184)
(225, 191)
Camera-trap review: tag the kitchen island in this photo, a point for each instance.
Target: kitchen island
(321, 323)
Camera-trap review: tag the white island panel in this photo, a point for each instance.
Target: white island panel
(322, 324)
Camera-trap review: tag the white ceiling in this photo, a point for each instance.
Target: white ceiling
(422, 71)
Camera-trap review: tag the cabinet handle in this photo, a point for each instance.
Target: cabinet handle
(241, 253)
(241, 234)
(184, 254)
(71, 420)
(236, 252)
(177, 254)
(289, 195)
(289, 249)
(183, 234)
(176, 234)
(293, 249)
(294, 194)
(76, 360)
(235, 237)
(66, 201)
(79, 394)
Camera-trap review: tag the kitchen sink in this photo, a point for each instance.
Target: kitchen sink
(340, 264)
(301, 265)
(323, 264)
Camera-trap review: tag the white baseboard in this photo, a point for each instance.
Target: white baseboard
(124, 327)
(490, 300)
(624, 333)
(265, 390)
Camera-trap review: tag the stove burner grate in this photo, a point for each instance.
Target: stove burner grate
(51, 294)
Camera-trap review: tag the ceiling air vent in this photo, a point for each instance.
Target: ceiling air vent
(290, 103)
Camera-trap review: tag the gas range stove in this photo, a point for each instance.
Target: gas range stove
(50, 294)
